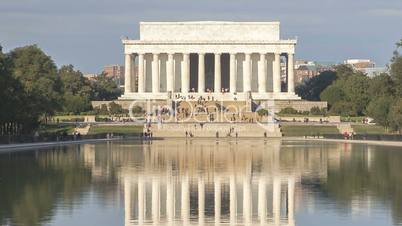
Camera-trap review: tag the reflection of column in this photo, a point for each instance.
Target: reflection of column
(291, 200)
(170, 198)
(185, 200)
(155, 200)
(201, 201)
(141, 200)
(233, 201)
(127, 201)
(262, 200)
(276, 197)
(247, 205)
(217, 192)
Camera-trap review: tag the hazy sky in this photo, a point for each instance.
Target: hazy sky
(86, 33)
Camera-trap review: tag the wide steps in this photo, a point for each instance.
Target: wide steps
(166, 130)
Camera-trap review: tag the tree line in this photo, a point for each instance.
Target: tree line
(32, 89)
(352, 93)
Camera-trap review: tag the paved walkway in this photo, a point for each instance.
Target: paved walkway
(371, 142)
(26, 146)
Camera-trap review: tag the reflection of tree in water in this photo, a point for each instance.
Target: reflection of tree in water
(32, 184)
(368, 173)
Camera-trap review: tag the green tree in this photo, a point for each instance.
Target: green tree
(312, 88)
(381, 85)
(379, 109)
(74, 82)
(115, 108)
(105, 88)
(76, 90)
(13, 98)
(38, 75)
(395, 115)
(344, 71)
(356, 90)
(334, 93)
(343, 108)
(396, 73)
(349, 87)
(76, 103)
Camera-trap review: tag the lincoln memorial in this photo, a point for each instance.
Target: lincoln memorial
(227, 60)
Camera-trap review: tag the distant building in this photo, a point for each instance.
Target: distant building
(360, 64)
(308, 69)
(372, 72)
(366, 66)
(116, 72)
(90, 77)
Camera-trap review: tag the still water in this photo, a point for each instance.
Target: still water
(203, 182)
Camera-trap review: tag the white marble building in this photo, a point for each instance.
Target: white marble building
(241, 58)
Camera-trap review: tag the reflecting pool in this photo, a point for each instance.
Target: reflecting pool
(203, 182)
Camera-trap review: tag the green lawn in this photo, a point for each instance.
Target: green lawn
(118, 129)
(53, 129)
(369, 129)
(305, 130)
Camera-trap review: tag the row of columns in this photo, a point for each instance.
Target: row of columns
(185, 68)
(185, 200)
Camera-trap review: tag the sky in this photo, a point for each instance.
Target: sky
(87, 33)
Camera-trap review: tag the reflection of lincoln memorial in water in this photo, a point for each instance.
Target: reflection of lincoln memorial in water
(203, 182)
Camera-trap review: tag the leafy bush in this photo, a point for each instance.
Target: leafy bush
(262, 112)
(289, 110)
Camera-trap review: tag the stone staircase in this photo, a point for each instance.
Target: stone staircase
(345, 128)
(83, 130)
(212, 130)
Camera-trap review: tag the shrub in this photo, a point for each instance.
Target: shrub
(289, 110)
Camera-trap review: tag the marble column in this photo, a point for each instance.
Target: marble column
(232, 72)
(201, 72)
(262, 74)
(291, 71)
(276, 197)
(217, 74)
(155, 73)
(291, 201)
(141, 200)
(185, 73)
(217, 201)
(247, 73)
(201, 201)
(141, 77)
(128, 74)
(170, 73)
(277, 73)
